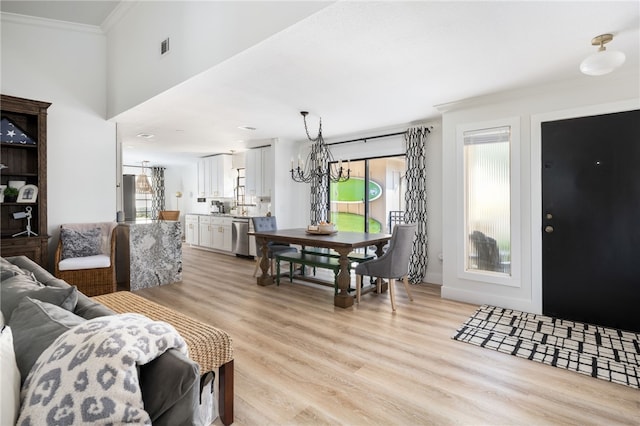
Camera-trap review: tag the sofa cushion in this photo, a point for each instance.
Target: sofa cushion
(15, 288)
(86, 262)
(9, 379)
(8, 269)
(88, 309)
(80, 243)
(35, 326)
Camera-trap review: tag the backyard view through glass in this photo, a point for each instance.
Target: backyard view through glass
(382, 180)
(488, 199)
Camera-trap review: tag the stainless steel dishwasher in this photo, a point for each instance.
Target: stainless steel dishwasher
(239, 237)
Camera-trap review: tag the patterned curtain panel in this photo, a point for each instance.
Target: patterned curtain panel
(157, 199)
(416, 199)
(319, 200)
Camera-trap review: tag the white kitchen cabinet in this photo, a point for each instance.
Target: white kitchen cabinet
(191, 229)
(258, 172)
(205, 232)
(215, 177)
(221, 233)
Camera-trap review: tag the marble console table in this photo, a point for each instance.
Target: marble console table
(148, 254)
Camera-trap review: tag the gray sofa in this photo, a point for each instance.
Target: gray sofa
(170, 384)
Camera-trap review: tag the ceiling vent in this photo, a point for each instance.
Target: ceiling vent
(164, 46)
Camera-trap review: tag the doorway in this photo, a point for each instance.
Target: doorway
(591, 219)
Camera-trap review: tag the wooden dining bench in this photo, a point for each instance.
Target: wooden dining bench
(306, 259)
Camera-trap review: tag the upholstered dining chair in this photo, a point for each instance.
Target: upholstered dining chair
(266, 224)
(393, 264)
(86, 255)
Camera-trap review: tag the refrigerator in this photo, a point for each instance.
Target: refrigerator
(129, 197)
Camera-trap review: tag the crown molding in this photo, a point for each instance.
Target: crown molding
(49, 23)
(116, 15)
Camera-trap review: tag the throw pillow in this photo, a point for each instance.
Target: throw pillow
(80, 244)
(8, 269)
(18, 287)
(10, 380)
(36, 325)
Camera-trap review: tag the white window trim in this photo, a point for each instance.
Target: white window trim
(515, 279)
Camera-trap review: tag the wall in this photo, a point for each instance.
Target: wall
(202, 34)
(584, 95)
(66, 65)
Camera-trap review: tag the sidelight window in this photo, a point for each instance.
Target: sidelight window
(487, 195)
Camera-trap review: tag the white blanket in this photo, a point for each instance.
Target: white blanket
(89, 375)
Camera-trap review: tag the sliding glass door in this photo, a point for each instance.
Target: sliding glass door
(382, 180)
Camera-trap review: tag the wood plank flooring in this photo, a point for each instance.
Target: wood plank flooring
(300, 360)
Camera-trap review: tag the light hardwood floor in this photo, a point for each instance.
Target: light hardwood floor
(300, 360)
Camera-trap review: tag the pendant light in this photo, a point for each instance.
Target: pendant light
(603, 61)
(142, 182)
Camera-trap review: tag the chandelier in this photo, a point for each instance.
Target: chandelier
(319, 163)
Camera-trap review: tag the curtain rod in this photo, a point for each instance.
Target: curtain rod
(365, 139)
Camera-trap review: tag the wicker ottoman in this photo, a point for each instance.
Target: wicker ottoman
(208, 346)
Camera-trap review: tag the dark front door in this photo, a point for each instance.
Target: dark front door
(591, 219)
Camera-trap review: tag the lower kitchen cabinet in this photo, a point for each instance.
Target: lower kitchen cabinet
(191, 229)
(208, 231)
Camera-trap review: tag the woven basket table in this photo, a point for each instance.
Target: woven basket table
(209, 347)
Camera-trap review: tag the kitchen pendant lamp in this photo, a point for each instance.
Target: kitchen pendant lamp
(603, 61)
(142, 182)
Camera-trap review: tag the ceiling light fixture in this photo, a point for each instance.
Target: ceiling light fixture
(246, 128)
(319, 164)
(603, 61)
(145, 135)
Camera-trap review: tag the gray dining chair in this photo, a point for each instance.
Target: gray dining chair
(393, 264)
(266, 224)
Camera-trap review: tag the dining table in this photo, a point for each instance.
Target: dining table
(342, 242)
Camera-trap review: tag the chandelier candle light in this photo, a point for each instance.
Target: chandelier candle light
(319, 163)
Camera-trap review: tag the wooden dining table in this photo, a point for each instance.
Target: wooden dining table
(342, 242)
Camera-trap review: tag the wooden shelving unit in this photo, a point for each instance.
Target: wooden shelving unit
(25, 163)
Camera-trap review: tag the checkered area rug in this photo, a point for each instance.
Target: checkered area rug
(605, 353)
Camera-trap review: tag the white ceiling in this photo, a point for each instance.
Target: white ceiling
(366, 66)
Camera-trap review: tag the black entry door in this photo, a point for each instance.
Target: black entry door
(591, 219)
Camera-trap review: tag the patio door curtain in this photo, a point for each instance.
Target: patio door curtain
(158, 198)
(416, 199)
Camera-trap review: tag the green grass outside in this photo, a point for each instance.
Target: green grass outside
(354, 222)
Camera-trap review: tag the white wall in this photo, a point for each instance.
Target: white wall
(66, 65)
(526, 104)
(202, 34)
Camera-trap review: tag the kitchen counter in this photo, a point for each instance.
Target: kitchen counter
(148, 254)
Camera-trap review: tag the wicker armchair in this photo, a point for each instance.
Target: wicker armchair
(92, 281)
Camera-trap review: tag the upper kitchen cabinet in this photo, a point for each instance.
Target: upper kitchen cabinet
(215, 176)
(259, 172)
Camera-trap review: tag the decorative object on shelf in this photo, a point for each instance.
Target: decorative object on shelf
(17, 184)
(10, 133)
(10, 194)
(142, 182)
(22, 215)
(28, 194)
(2, 188)
(320, 164)
(603, 61)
